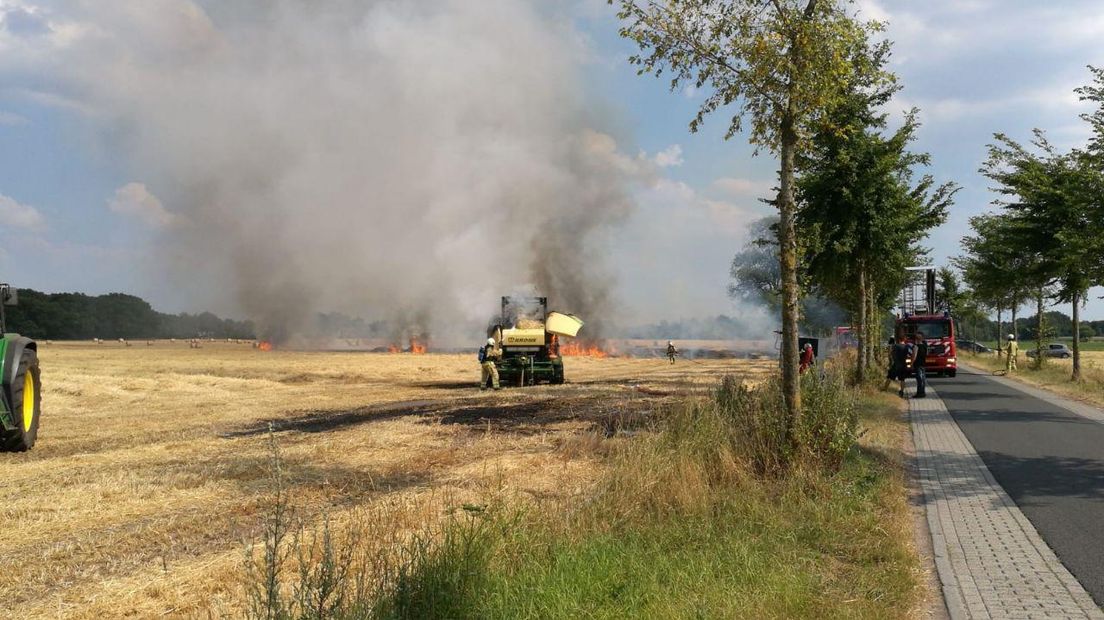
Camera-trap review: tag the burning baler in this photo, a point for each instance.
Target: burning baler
(529, 336)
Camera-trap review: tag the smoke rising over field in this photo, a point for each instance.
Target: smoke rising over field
(406, 160)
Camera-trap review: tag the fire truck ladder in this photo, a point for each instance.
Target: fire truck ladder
(918, 294)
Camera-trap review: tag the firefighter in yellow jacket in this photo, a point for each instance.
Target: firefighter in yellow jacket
(1012, 350)
(487, 356)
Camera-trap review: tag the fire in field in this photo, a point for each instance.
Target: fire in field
(152, 466)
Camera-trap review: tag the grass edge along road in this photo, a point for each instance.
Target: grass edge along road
(693, 520)
(1054, 375)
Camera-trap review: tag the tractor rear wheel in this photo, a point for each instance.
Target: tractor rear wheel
(26, 400)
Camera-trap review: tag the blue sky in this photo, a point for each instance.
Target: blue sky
(77, 216)
(973, 68)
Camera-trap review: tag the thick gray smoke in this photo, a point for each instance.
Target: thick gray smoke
(410, 160)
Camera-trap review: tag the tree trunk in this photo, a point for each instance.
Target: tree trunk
(787, 242)
(873, 326)
(1040, 330)
(1015, 327)
(1076, 337)
(1000, 334)
(864, 338)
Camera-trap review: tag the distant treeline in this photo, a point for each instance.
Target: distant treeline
(76, 316)
(720, 327)
(1058, 325)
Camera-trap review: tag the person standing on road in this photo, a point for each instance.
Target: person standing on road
(919, 358)
(898, 369)
(1012, 351)
(672, 352)
(487, 356)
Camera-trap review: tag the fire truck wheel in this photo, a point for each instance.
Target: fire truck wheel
(952, 373)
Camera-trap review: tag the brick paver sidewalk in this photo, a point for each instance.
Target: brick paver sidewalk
(990, 559)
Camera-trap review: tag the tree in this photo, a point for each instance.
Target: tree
(1091, 161)
(949, 293)
(757, 279)
(756, 273)
(1053, 202)
(783, 64)
(862, 209)
(1000, 271)
(76, 316)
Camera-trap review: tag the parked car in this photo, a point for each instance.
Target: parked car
(1054, 349)
(970, 346)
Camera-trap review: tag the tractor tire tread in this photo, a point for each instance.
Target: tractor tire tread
(21, 440)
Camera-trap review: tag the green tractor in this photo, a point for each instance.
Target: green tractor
(21, 390)
(529, 336)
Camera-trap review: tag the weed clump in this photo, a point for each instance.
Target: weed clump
(756, 425)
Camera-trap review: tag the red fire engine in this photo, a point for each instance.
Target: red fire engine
(920, 315)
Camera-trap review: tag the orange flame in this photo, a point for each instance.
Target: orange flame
(264, 345)
(581, 349)
(393, 348)
(417, 347)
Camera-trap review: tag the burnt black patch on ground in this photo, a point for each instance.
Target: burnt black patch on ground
(330, 420)
(603, 413)
(607, 413)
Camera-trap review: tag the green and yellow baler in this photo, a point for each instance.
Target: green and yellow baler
(21, 385)
(529, 338)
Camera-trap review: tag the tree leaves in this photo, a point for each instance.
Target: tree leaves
(768, 59)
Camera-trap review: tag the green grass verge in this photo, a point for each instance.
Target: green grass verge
(759, 556)
(808, 546)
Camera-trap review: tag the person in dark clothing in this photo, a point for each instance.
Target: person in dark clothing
(898, 368)
(919, 357)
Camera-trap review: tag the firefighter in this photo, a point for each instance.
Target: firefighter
(672, 352)
(808, 358)
(1012, 350)
(487, 356)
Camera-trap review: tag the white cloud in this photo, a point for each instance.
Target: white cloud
(134, 200)
(669, 157)
(731, 218)
(691, 213)
(744, 188)
(1058, 98)
(605, 150)
(19, 215)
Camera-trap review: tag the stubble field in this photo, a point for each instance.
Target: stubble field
(153, 466)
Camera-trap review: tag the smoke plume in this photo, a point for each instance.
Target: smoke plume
(377, 158)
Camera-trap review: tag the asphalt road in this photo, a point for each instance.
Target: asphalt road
(1049, 461)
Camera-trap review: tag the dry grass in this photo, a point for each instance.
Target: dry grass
(152, 463)
(1055, 374)
(681, 527)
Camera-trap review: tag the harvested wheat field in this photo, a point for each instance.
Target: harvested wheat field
(153, 464)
